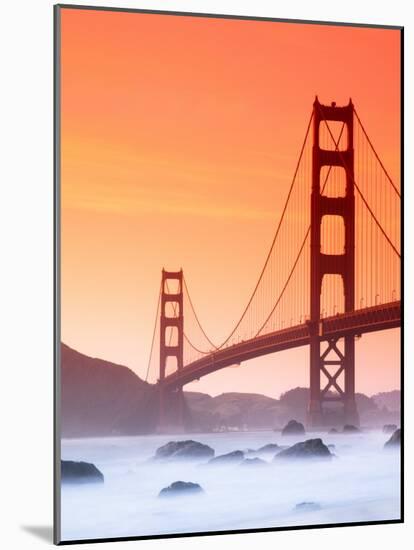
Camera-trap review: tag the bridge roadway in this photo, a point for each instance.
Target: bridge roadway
(358, 322)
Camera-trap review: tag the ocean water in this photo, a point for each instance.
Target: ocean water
(362, 483)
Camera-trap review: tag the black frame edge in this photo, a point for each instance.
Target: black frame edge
(402, 329)
(233, 532)
(227, 16)
(56, 277)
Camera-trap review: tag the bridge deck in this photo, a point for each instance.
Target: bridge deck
(362, 321)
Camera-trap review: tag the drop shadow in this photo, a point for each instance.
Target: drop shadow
(43, 532)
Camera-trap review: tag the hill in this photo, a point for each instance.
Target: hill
(100, 398)
(390, 399)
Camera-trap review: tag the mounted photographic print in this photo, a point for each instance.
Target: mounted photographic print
(228, 274)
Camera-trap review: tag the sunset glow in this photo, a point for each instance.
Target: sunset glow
(179, 140)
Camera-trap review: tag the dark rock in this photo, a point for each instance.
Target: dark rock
(394, 441)
(293, 428)
(229, 458)
(389, 428)
(331, 446)
(269, 448)
(307, 507)
(350, 429)
(183, 450)
(80, 472)
(309, 449)
(253, 462)
(181, 488)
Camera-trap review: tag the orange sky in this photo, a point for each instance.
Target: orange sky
(179, 139)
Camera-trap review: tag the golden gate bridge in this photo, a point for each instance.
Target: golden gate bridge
(332, 274)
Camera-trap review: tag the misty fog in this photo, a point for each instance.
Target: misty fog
(361, 483)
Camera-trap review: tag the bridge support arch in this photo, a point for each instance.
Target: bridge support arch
(336, 354)
(171, 402)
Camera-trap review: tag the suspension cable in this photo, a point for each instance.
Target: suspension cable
(153, 335)
(196, 317)
(290, 274)
(336, 142)
(301, 247)
(376, 155)
(174, 306)
(195, 348)
(359, 190)
(272, 245)
(285, 285)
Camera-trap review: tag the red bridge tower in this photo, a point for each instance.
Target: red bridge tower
(339, 355)
(171, 405)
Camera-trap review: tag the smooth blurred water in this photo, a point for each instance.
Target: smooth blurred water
(361, 484)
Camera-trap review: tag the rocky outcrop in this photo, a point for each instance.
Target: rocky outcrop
(293, 428)
(389, 428)
(80, 472)
(350, 429)
(183, 450)
(394, 441)
(181, 488)
(270, 448)
(229, 458)
(309, 449)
